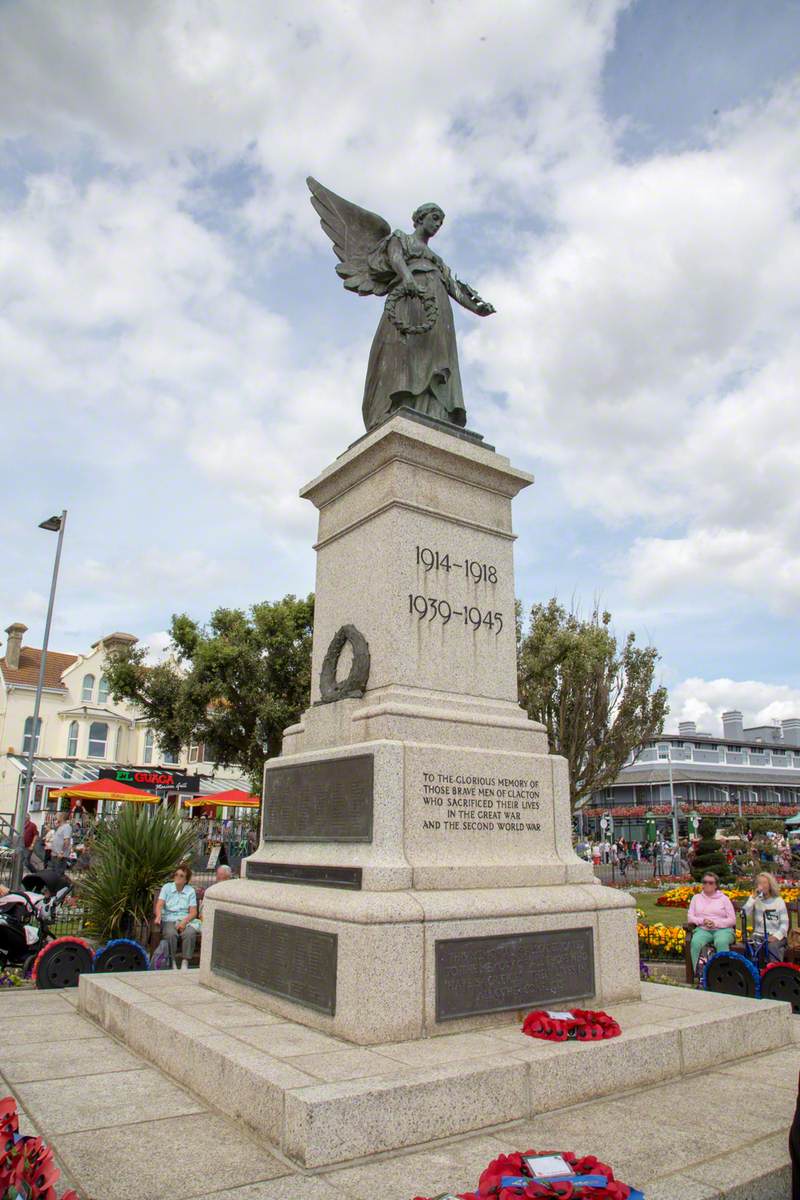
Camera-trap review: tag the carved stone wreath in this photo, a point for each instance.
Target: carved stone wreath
(353, 686)
(428, 303)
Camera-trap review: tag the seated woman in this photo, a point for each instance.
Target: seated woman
(769, 915)
(713, 914)
(176, 909)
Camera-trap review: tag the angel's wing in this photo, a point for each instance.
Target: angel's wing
(355, 233)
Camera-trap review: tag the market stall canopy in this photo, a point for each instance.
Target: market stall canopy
(106, 789)
(234, 798)
(793, 820)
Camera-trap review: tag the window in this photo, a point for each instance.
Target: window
(26, 739)
(118, 744)
(72, 739)
(169, 757)
(147, 757)
(98, 739)
(87, 692)
(103, 690)
(194, 753)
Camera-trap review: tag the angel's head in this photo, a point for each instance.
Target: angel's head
(428, 218)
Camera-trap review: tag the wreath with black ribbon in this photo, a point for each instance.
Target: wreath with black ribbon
(581, 1025)
(400, 292)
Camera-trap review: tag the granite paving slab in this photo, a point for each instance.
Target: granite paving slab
(98, 1101)
(292, 1187)
(19, 1030)
(166, 1159)
(59, 1060)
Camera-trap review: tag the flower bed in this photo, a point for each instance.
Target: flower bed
(680, 897)
(659, 941)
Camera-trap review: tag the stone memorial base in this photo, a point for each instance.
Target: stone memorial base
(416, 875)
(318, 1100)
(378, 967)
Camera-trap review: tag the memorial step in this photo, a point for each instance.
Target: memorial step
(320, 1100)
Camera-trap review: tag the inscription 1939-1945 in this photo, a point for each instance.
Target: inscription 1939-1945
(329, 800)
(286, 960)
(505, 971)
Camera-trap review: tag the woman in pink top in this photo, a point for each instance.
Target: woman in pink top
(714, 915)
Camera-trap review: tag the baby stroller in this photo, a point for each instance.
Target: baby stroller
(26, 937)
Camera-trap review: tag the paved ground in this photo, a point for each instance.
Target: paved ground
(122, 1130)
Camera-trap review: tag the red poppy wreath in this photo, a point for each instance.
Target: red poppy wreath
(578, 1025)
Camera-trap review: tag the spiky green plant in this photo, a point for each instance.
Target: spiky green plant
(132, 856)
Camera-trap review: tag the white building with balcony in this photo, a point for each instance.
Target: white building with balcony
(80, 729)
(751, 771)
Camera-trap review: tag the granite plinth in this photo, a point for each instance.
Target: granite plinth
(319, 1102)
(386, 985)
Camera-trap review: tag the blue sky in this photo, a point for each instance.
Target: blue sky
(178, 356)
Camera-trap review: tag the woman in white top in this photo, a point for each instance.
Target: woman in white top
(768, 912)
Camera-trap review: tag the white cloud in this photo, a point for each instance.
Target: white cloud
(449, 96)
(645, 340)
(649, 348)
(705, 700)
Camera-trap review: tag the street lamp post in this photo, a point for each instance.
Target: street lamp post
(54, 525)
(673, 805)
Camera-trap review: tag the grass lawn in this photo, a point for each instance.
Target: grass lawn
(646, 901)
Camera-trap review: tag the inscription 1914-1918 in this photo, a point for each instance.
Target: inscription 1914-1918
(507, 971)
(329, 800)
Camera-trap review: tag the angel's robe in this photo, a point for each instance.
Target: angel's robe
(418, 370)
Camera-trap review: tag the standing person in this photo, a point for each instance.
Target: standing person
(714, 915)
(176, 908)
(77, 818)
(62, 842)
(29, 835)
(770, 918)
(49, 834)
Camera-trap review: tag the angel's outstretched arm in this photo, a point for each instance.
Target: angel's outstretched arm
(467, 297)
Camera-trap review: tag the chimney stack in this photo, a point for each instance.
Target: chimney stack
(14, 644)
(687, 728)
(791, 731)
(733, 725)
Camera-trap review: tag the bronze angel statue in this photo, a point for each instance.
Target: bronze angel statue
(414, 360)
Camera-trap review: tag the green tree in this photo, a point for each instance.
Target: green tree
(708, 855)
(234, 685)
(594, 695)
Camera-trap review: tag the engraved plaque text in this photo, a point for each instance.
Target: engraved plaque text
(285, 960)
(520, 970)
(325, 801)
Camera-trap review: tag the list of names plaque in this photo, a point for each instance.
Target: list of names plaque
(329, 800)
(518, 970)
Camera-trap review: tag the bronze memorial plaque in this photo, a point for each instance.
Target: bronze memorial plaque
(315, 874)
(518, 970)
(286, 960)
(325, 801)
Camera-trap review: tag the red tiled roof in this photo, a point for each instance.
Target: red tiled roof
(30, 661)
